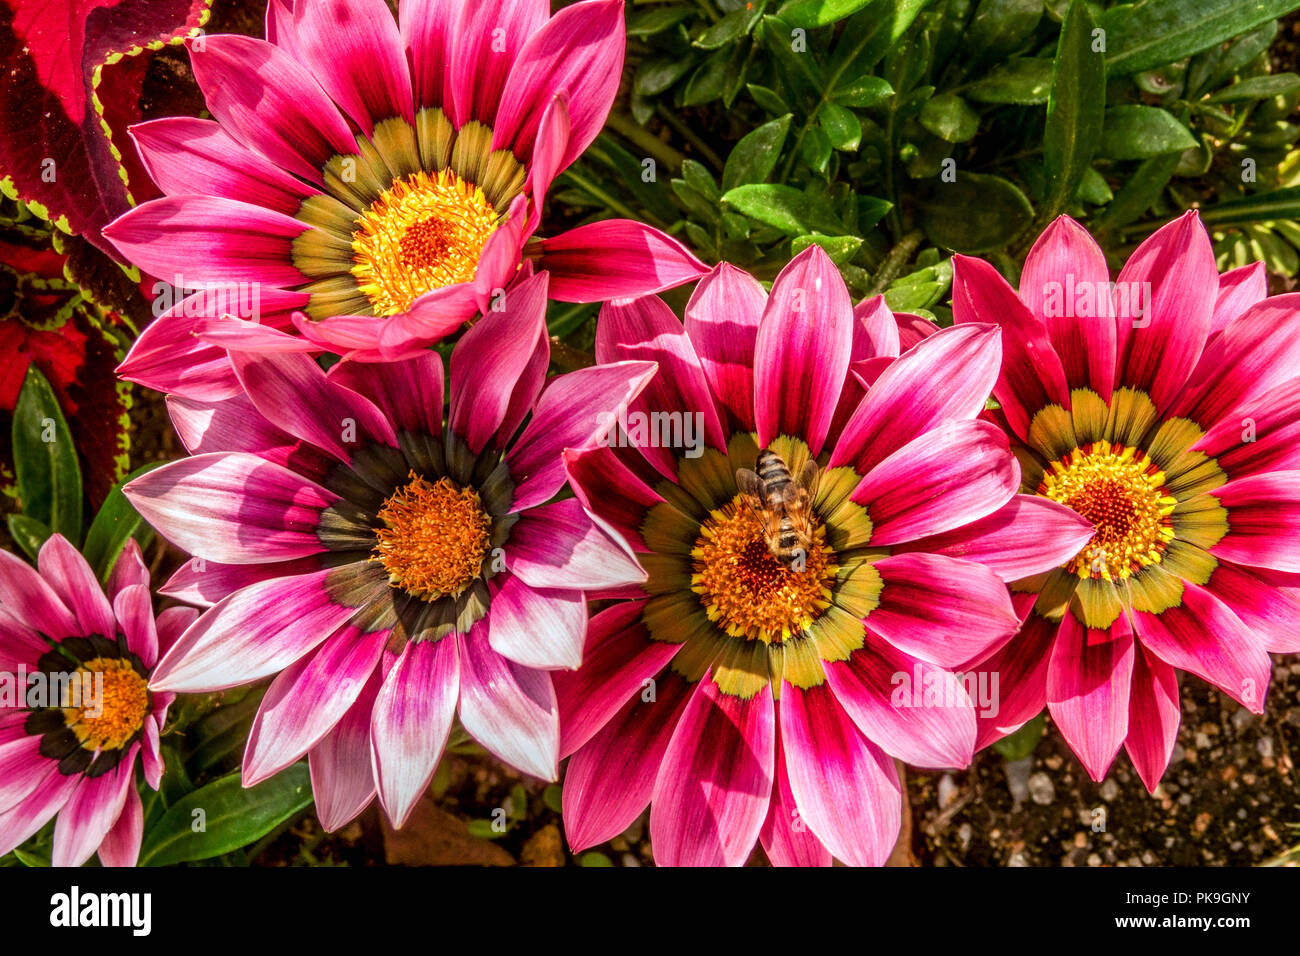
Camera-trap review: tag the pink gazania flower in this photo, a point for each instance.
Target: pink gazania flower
(1164, 410)
(75, 708)
(745, 698)
(368, 185)
(394, 566)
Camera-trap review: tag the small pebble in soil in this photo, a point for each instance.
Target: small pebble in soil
(947, 791)
(1041, 790)
(1109, 790)
(1018, 778)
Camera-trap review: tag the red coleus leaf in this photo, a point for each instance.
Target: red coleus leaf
(73, 72)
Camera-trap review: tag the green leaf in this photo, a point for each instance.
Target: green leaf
(115, 523)
(709, 81)
(950, 117)
(484, 830)
(818, 13)
(658, 74)
(1019, 745)
(29, 533)
(1024, 81)
(1093, 188)
(816, 149)
(1000, 26)
(1258, 88)
(31, 859)
(730, 28)
(232, 817)
(769, 100)
(646, 23)
(593, 858)
(1140, 132)
(553, 797)
(841, 126)
(1153, 32)
(784, 208)
(1140, 192)
(863, 93)
(975, 214)
(1262, 207)
(840, 248)
(1074, 110)
(45, 460)
(754, 157)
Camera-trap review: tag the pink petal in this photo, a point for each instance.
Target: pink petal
(610, 490)
(342, 778)
(1239, 289)
(722, 319)
(615, 259)
(26, 596)
(573, 411)
(128, 569)
(1270, 611)
(1088, 678)
(785, 836)
(485, 42)
(715, 782)
(63, 567)
(20, 821)
(914, 711)
(133, 608)
(408, 394)
(411, 720)
(846, 789)
(560, 545)
(1201, 635)
(91, 811)
(1017, 675)
(204, 583)
(424, 26)
(950, 476)
(121, 845)
(538, 627)
(940, 609)
(1263, 521)
(1154, 715)
(801, 356)
(508, 708)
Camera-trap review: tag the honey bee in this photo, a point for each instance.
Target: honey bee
(783, 505)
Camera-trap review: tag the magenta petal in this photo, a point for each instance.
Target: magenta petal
(646, 329)
(231, 424)
(1028, 535)
(231, 241)
(846, 789)
(1270, 611)
(573, 412)
(308, 698)
(548, 154)
(1016, 674)
(615, 259)
(715, 782)
(246, 80)
(1273, 444)
(786, 838)
(1159, 348)
(538, 627)
(610, 490)
(946, 378)
(121, 845)
(560, 545)
(1032, 375)
(67, 572)
(1088, 680)
(425, 25)
(485, 42)
(342, 776)
(941, 609)
(1239, 289)
(578, 51)
(29, 599)
(950, 476)
(185, 155)
(1202, 636)
(1154, 715)
(619, 662)
(610, 780)
(23, 766)
(912, 710)
(801, 356)
(508, 708)
(408, 394)
(128, 569)
(411, 720)
(491, 358)
(204, 583)
(232, 508)
(722, 319)
(1066, 285)
(291, 392)
(1263, 521)
(252, 634)
(352, 48)
(133, 608)
(90, 813)
(169, 357)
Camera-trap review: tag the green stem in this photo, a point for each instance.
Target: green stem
(892, 267)
(639, 136)
(612, 204)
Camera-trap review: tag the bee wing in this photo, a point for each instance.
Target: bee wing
(749, 483)
(809, 477)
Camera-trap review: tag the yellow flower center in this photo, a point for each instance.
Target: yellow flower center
(745, 590)
(435, 538)
(1121, 491)
(108, 714)
(422, 233)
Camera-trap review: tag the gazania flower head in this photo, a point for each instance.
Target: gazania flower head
(394, 562)
(368, 185)
(75, 706)
(1163, 409)
(750, 688)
